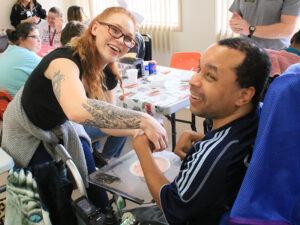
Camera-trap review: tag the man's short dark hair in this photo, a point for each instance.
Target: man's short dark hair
(255, 68)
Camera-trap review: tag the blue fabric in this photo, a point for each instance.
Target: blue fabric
(16, 65)
(293, 50)
(113, 145)
(270, 192)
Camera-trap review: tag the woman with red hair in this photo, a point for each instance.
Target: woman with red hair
(69, 84)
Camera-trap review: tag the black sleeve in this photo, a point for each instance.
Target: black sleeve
(110, 79)
(40, 12)
(15, 15)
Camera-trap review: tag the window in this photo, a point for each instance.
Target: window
(157, 13)
(223, 16)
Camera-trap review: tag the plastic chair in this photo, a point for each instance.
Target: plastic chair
(5, 98)
(269, 193)
(184, 61)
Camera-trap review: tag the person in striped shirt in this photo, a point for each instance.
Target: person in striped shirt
(226, 91)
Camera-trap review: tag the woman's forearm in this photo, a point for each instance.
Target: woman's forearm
(105, 115)
(122, 132)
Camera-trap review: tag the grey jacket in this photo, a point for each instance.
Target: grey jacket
(21, 138)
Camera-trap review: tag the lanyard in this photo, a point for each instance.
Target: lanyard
(51, 38)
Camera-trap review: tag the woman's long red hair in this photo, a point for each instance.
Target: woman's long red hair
(85, 46)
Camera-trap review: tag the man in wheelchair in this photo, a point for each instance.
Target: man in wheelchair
(226, 92)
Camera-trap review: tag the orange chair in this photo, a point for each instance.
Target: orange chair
(5, 98)
(184, 61)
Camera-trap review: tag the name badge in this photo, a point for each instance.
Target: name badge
(251, 1)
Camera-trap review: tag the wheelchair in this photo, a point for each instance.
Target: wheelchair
(86, 213)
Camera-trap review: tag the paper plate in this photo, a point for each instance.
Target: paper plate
(162, 163)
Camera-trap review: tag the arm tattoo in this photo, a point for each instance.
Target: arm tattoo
(57, 78)
(105, 115)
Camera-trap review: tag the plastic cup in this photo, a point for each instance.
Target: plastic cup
(131, 76)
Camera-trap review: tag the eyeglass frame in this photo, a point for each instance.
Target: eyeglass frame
(110, 26)
(37, 37)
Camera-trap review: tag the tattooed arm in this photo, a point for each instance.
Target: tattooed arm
(70, 94)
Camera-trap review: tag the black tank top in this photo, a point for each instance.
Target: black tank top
(38, 99)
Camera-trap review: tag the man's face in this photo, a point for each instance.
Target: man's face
(214, 89)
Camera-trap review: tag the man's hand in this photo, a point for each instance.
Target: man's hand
(238, 24)
(185, 142)
(141, 143)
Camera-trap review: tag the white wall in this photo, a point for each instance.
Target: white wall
(198, 29)
(198, 22)
(7, 5)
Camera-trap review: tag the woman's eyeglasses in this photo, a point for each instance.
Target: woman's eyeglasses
(37, 37)
(115, 32)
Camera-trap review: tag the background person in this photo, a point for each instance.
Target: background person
(113, 145)
(269, 23)
(295, 44)
(72, 29)
(27, 11)
(226, 89)
(20, 58)
(50, 29)
(76, 13)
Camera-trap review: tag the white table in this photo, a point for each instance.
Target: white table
(157, 99)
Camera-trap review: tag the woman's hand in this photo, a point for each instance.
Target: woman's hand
(155, 132)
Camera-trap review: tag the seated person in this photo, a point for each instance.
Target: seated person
(20, 58)
(226, 90)
(295, 44)
(50, 29)
(113, 145)
(67, 90)
(72, 29)
(76, 13)
(26, 11)
(281, 60)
